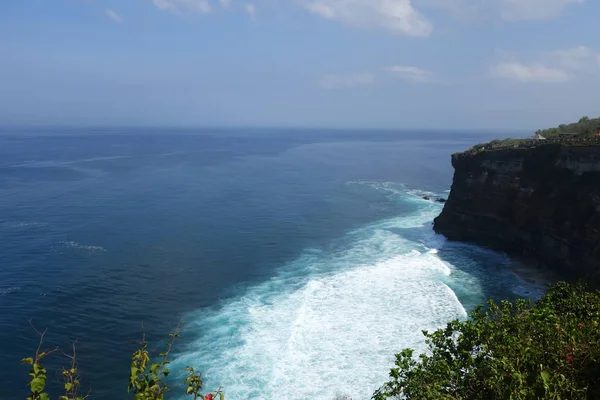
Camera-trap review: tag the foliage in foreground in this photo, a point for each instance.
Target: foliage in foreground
(520, 350)
(147, 379)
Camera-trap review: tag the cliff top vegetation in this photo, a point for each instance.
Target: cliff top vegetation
(584, 132)
(585, 127)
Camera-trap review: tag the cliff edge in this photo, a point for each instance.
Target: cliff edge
(541, 202)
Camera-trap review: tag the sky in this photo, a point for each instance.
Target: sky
(399, 64)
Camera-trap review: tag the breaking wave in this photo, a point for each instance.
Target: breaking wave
(331, 321)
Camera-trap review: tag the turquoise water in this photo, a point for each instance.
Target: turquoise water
(296, 261)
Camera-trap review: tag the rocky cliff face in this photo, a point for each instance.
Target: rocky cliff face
(542, 203)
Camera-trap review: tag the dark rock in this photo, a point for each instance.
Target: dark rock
(440, 200)
(541, 202)
(426, 198)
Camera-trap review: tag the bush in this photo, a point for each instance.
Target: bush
(520, 350)
(147, 379)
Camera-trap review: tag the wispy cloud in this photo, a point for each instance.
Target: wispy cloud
(321, 9)
(113, 16)
(506, 10)
(396, 16)
(410, 73)
(202, 6)
(574, 58)
(333, 81)
(529, 73)
(251, 11)
(545, 66)
(225, 3)
(534, 9)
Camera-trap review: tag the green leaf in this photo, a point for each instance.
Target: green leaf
(68, 386)
(154, 368)
(27, 360)
(37, 368)
(37, 385)
(44, 396)
(545, 376)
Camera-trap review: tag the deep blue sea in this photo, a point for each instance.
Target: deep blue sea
(296, 261)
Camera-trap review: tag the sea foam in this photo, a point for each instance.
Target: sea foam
(76, 245)
(329, 323)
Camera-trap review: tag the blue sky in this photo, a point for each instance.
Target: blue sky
(431, 64)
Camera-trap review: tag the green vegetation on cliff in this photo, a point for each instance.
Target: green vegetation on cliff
(518, 351)
(584, 132)
(583, 128)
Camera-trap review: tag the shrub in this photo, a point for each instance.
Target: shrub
(147, 379)
(520, 350)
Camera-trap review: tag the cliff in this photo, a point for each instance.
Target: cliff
(541, 202)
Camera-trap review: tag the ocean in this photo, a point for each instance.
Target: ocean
(296, 262)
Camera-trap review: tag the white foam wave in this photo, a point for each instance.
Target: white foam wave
(76, 245)
(329, 323)
(50, 163)
(333, 334)
(20, 224)
(397, 189)
(422, 193)
(9, 290)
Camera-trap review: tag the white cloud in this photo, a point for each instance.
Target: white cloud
(507, 10)
(461, 10)
(412, 74)
(574, 58)
(529, 73)
(113, 15)
(251, 11)
(333, 81)
(202, 6)
(403, 17)
(321, 9)
(397, 16)
(533, 9)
